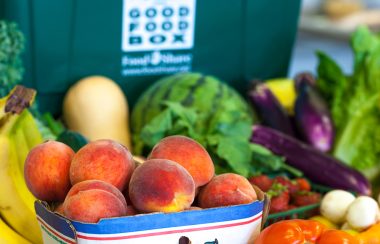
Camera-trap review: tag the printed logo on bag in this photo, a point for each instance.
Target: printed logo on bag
(157, 36)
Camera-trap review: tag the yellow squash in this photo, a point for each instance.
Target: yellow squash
(97, 108)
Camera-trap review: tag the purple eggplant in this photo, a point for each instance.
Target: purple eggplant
(269, 109)
(319, 167)
(312, 118)
(304, 77)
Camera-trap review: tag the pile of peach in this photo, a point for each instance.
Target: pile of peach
(102, 180)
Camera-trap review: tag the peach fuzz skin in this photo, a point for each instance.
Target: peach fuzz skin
(46, 170)
(225, 190)
(161, 185)
(104, 160)
(92, 205)
(96, 184)
(188, 153)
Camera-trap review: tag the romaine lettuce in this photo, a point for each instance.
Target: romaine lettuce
(354, 101)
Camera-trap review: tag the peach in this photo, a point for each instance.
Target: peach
(125, 193)
(96, 184)
(131, 210)
(104, 160)
(188, 153)
(92, 205)
(226, 189)
(46, 170)
(161, 185)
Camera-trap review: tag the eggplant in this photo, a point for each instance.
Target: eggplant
(312, 118)
(319, 167)
(304, 77)
(269, 109)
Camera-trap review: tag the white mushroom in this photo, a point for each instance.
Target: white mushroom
(362, 213)
(334, 205)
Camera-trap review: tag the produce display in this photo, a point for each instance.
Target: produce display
(95, 182)
(191, 142)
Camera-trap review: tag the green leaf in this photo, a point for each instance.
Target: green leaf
(237, 153)
(258, 149)
(363, 42)
(240, 129)
(184, 119)
(265, 162)
(359, 144)
(334, 87)
(157, 128)
(271, 162)
(330, 77)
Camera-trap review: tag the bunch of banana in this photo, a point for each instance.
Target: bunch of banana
(18, 134)
(9, 236)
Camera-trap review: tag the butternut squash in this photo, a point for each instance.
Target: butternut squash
(97, 108)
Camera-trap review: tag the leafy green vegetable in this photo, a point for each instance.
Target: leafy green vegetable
(229, 141)
(265, 162)
(11, 46)
(355, 103)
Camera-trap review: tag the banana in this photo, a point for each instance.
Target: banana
(9, 236)
(20, 148)
(26, 136)
(30, 129)
(15, 208)
(16, 101)
(16, 201)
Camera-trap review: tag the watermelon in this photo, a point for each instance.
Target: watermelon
(199, 106)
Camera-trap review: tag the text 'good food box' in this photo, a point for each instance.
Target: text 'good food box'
(232, 224)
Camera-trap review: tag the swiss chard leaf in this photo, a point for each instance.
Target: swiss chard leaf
(157, 128)
(236, 152)
(265, 162)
